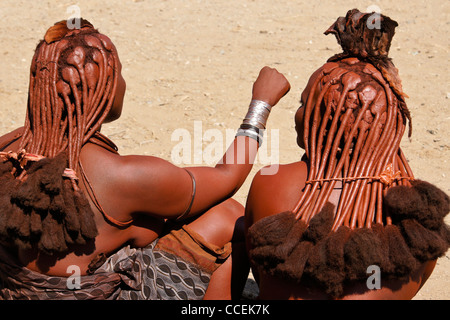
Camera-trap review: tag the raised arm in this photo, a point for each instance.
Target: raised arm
(165, 190)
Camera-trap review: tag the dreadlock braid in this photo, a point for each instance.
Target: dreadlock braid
(73, 80)
(354, 119)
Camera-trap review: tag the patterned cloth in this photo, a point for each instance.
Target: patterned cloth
(177, 266)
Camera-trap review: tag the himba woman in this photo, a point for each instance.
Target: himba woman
(131, 227)
(348, 221)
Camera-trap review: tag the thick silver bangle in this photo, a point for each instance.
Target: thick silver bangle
(253, 133)
(257, 114)
(254, 123)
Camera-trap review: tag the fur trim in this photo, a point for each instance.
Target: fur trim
(287, 248)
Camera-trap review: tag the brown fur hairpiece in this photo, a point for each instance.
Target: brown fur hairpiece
(364, 34)
(43, 211)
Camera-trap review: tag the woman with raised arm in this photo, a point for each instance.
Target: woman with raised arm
(80, 221)
(348, 221)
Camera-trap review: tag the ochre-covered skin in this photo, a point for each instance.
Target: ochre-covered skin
(316, 226)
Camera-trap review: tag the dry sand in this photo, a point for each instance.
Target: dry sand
(194, 60)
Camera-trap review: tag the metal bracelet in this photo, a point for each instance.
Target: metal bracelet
(257, 114)
(251, 132)
(254, 123)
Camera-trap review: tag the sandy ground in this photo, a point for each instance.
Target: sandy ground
(192, 63)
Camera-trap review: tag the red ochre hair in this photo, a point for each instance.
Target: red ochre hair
(73, 80)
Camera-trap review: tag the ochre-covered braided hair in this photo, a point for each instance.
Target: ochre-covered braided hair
(354, 119)
(73, 80)
(353, 127)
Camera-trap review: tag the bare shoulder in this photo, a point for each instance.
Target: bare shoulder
(273, 193)
(275, 173)
(127, 174)
(136, 183)
(122, 167)
(286, 176)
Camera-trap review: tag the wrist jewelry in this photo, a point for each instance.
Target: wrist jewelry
(253, 133)
(254, 123)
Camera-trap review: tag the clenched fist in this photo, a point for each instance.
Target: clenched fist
(270, 86)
